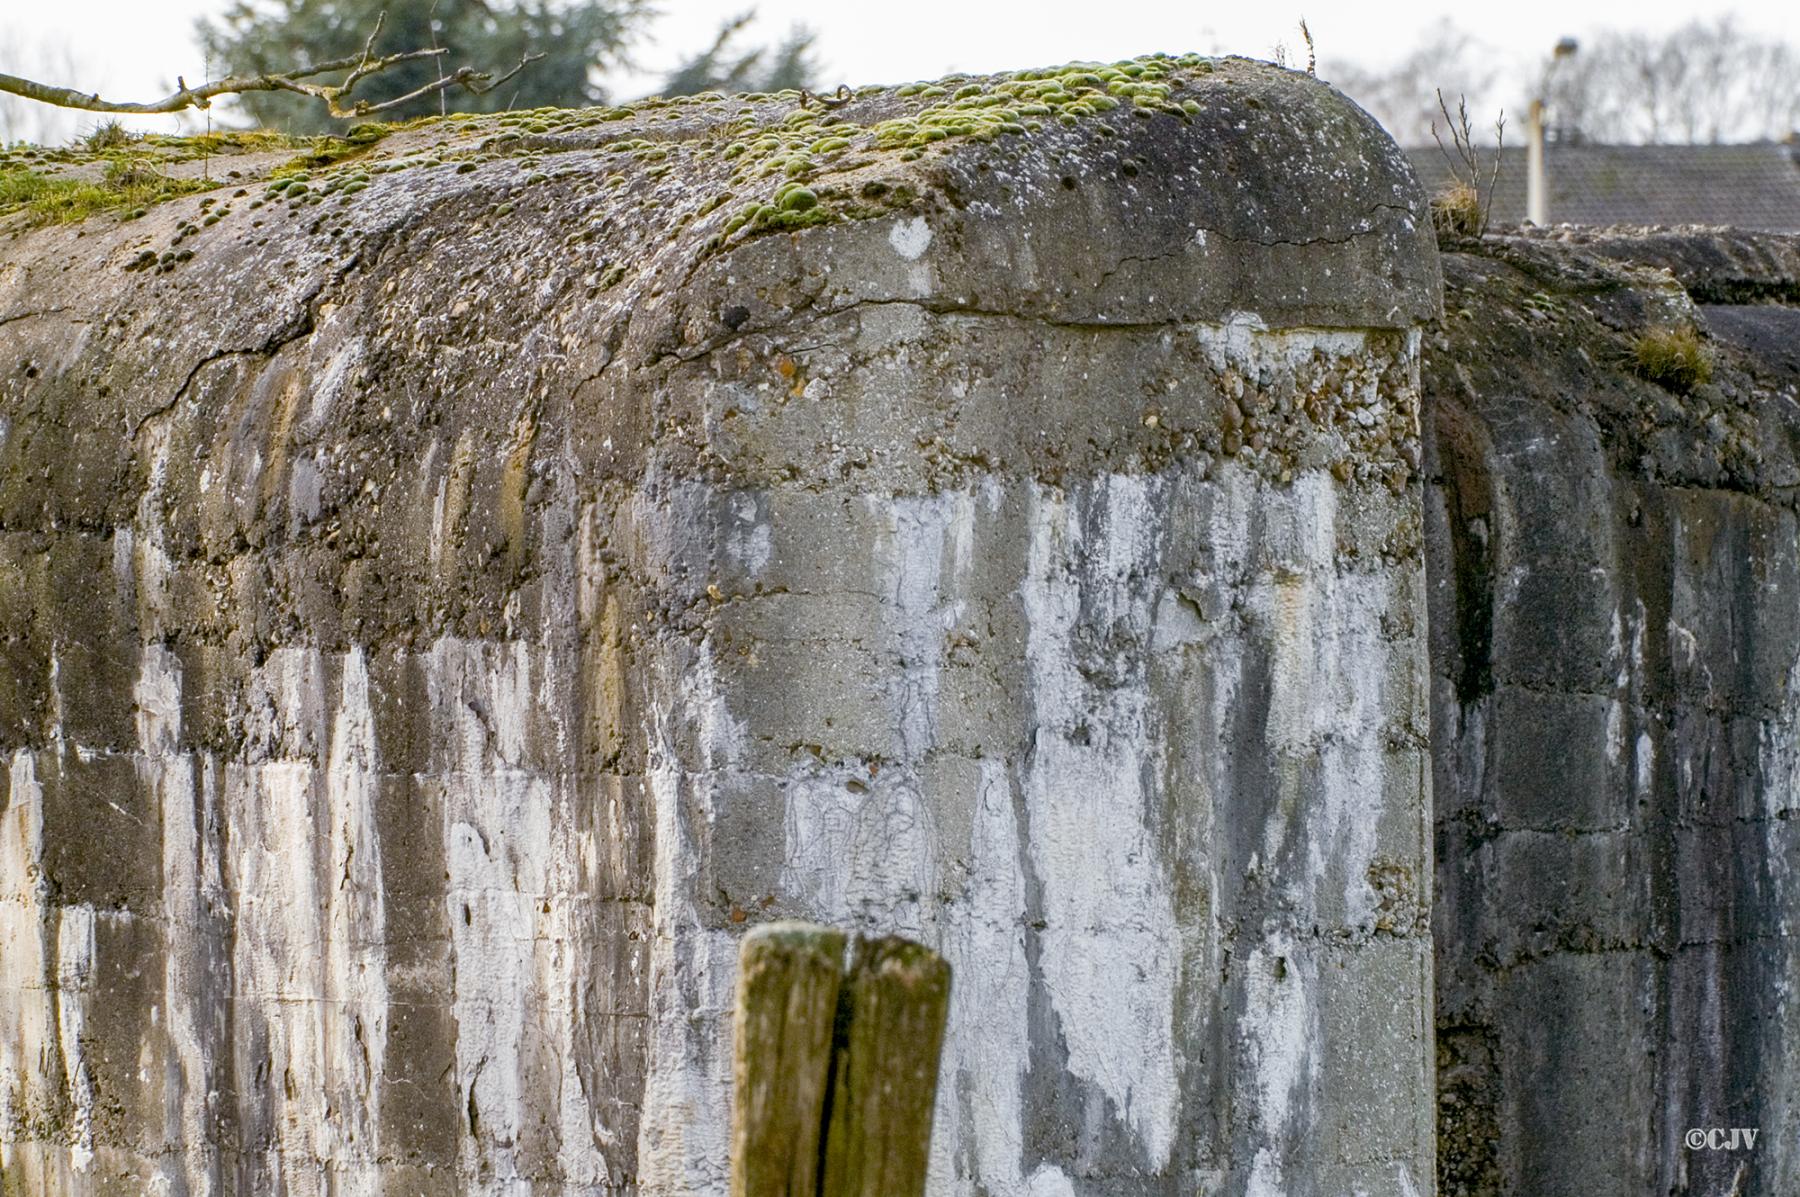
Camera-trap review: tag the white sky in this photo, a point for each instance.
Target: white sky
(131, 49)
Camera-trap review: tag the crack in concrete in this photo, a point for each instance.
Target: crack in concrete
(11, 317)
(1307, 241)
(940, 306)
(303, 323)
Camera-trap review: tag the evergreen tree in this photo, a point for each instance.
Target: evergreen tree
(578, 39)
(721, 67)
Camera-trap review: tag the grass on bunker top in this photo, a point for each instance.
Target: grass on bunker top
(59, 186)
(125, 187)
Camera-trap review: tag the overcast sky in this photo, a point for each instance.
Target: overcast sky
(131, 49)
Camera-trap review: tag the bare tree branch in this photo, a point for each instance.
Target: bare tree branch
(337, 97)
(474, 82)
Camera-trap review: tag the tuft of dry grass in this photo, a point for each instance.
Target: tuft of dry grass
(108, 135)
(1674, 358)
(1457, 211)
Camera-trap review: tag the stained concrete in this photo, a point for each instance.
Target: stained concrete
(441, 619)
(1615, 626)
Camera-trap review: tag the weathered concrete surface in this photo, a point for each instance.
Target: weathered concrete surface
(1615, 622)
(440, 620)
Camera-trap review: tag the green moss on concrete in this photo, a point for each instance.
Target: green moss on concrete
(219, 145)
(736, 167)
(298, 185)
(328, 151)
(788, 159)
(815, 141)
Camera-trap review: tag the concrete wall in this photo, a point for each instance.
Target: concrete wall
(443, 612)
(1615, 615)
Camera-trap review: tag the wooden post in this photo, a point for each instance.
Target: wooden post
(885, 1066)
(835, 1076)
(789, 975)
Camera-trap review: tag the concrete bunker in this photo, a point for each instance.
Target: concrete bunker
(515, 557)
(454, 587)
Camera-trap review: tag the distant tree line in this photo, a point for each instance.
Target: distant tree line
(20, 119)
(726, 66)
(1708, 81)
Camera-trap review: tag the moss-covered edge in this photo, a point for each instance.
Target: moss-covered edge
(782, 154)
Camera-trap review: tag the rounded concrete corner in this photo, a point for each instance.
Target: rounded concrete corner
(1262, 182)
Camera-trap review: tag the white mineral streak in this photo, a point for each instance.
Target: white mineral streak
(29, 1078)
(1332, 686)
(191, 882)
(1108, 948)
(1335, 685)
(860, 849)
(74, 976)
(42, 1070)
(1280, 1034)
(495, 838)
(1083, 813)
(866, 855)
(148, 570)
(920, 603)
(287, 841)
(508, 853)
(355, 998)
(275, 848)
(748, 538)
(1778, 758)
(684, 1134)
(989, 1034)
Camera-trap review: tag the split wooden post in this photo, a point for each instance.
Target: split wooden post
(836, 1076)
(789, 975)
(885, 1069)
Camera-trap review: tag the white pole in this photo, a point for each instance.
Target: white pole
(1537, 191)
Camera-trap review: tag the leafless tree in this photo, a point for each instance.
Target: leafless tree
(21, 120)
(1403, 95)
(1708, 81)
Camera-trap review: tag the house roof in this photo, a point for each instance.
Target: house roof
(1747, 186)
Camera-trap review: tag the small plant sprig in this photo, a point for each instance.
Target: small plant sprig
(1312, 57)
(1462, 208)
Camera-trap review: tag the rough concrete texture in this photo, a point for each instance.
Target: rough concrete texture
(441, 617)
(1615, 623)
